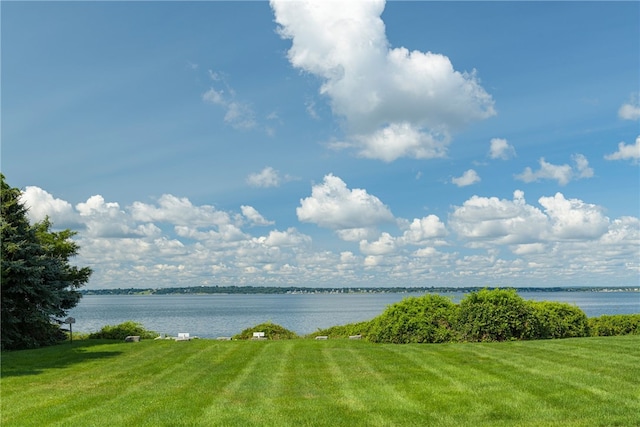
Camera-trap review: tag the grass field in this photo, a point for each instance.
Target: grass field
(572, 382)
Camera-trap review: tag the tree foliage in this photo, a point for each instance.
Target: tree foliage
(429, 318)
(488, 315)
(38, 284)
(559, 320)
(617, 324)
(123, 330)
(495, 315)
(271, 331)
(344, 331)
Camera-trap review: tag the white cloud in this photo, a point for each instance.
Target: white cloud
(489, 219)
(96, 205)
(254, 216)
(180, 211)
(173, 242)
(268, 177)
(214, 97)
(385, 245)
(573, 218)
(238, 114)
(356, 234)
(468, 178)
(427, 252)
(500, 149)
(529, 248)
(424, 229)
(396, 102)
(222, 234)
(310, 106)
(514, 222)
(631, 109)
(623, 231)
(561, 173)
(400, 140)
(333, 205)
(582, 169)
(106, 219)
(41, 204)
(290, 237)
(626, 152)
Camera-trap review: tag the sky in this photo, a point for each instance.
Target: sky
(325, 144)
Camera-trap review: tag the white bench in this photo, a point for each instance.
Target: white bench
(183, 336)
(322, 337)
(258, 336)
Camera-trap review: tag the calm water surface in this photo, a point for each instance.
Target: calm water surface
(210, 316)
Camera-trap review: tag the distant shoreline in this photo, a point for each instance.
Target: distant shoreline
(252, 290)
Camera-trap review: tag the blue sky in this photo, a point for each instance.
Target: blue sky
(304, 144)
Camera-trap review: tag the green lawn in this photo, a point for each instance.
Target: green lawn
(572, 382)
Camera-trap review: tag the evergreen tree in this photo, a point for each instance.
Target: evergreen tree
(38, 284)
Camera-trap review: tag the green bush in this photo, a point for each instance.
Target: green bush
(558, 320)
(495, 315)
(485, 315)
(619, 324)
(426, 319)
(123, 330)
(344, 331)
(271, 331)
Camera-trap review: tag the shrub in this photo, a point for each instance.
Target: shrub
(123, 330)
(271, 331)
(495, 315)
(618, 324)
(344, 331)
(426, 319)
(558, 320)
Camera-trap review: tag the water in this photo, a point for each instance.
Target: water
(210, 316)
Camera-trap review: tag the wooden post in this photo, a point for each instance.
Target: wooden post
(70, 321)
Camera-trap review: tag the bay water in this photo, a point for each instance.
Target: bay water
(224, 315)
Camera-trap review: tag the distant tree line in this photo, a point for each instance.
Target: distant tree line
(195, 290)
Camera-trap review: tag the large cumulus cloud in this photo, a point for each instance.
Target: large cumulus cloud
(394, 102)
(335, 206)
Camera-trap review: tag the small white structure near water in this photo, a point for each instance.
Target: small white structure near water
(183, 336)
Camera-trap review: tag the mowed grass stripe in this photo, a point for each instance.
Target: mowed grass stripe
(596, 356)
(398, 397)
(182, 389)
(324, 383)
(157, 374)
(316, 388)
(443, 390)
(60, 394)
(475, 393)
(459, 390)
(256, 392)
(576, 384)
(559, 385)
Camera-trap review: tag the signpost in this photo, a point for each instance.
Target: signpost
(70, 321)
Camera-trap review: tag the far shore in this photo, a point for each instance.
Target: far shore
(206, 290)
